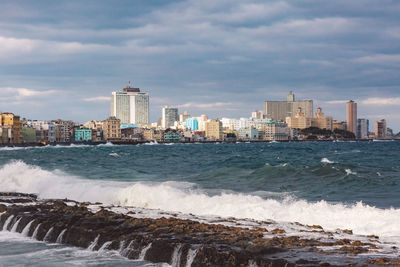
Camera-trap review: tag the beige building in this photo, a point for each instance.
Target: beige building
(275, 131)
(380, 129)
(352, 117)
(148, 135)
(214, 129)
(300, 121)
(112, 128)
(322, 122)
(280, 110)
(340, 125)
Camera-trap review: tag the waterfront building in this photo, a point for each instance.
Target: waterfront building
(183, 117)
(171, 136)
(233, 124)
(131, 133)
(275, 131)
(300, 121)
(169, 117)
(321, 121)
(352, 117)
(83, 135)
(97, 129)
(213, 130)
(112, 128)
(380, 129)
(159, 135)
(130, 106)
(12, 122)
(64, 130)
(340, 125)
(249, 133)
(28, 135)
(148, 135)
(52, 134)
(362, 128)
(280, 110)
(192, 124)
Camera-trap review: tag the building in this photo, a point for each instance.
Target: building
(183, 117)
(233, 124)
(52, 134)
(249, 133)
(28, 135)
(275, 131)
(352, 117)
(300, 121)
(280, 110)
(214, 130)
(112, 128)
(340, 125)
(132, 133)
(83, 135)
(380, 129)
(130, 106)
(321, 121)
(362, 128)
(258, 114)
(148, 135)
(12, 125)
(192, 124)
(169, 117)
(171, 136)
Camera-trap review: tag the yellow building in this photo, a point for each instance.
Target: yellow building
(11, 121)
(214, 129)
(299, 121)
(340, 125)
(322, 122)
(302, 122)
(112, 128)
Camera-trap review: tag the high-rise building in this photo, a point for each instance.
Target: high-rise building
(380, 129)
(130, 106)
(280, 110)
(258, 114)
(184, 116)
(362, 128)
(169, 116)
(214, 129)
(352, 117)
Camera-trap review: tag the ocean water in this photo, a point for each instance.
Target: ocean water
(346, 185)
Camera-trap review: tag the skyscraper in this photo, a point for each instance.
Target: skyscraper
(169, 116)
(380, 129)
(130, 106)
(362, 128)
(352, 117)
(280, 110)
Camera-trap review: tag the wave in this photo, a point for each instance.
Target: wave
(184, 197)
(325, 160)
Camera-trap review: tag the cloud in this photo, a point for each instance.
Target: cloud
(379, 59)
(23, 93)
(379, 101)
(336, 102)
(205, 105)
(97, 99)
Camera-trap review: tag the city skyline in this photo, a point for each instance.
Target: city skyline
(62, 59)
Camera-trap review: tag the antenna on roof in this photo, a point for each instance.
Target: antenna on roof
(129, 84)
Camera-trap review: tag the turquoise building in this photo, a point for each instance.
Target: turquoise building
(192, 124)
(171, 137)
(83, 135)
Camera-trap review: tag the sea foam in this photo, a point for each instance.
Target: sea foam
(183, 197)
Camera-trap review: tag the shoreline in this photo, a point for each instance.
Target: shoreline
(129, 142)
(189, 242)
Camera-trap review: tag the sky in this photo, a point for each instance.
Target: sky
(62, 59)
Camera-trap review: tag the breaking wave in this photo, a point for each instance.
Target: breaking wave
(184, 197)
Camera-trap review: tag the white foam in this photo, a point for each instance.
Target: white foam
(183, 197)
(325, 160)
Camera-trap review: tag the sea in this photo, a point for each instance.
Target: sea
(337, 185)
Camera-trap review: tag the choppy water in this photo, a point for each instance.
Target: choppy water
(337, 185)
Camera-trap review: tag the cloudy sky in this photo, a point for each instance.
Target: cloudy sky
(62, 59)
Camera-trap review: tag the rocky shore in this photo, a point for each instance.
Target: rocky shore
(183, 242)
